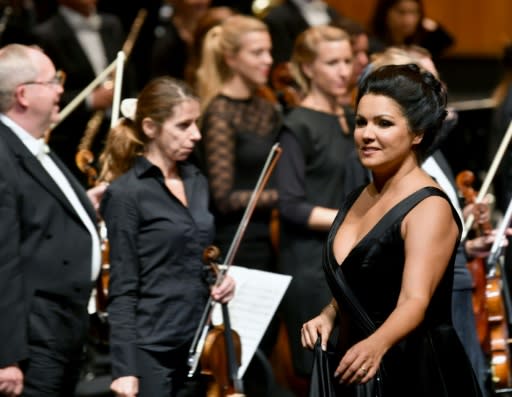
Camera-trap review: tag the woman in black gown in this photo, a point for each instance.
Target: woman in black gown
(390, 253)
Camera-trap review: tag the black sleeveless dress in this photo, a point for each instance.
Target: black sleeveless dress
(430, 361)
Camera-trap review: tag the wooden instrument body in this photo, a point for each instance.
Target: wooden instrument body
(215, 364)
(498, 334)
(489, 305)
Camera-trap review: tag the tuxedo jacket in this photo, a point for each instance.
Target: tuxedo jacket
(59, 41)
(285, 22)
(45, 249)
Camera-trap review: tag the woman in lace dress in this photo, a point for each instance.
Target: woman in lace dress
(390, 253)
(239, 128)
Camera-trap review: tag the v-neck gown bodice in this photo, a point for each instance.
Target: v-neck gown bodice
(430, 361)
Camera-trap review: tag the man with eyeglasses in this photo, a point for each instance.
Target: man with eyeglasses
(49, 245)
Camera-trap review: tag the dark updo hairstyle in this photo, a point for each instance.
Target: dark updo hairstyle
(421, 97)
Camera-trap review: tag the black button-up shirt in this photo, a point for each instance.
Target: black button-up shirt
(157, 290)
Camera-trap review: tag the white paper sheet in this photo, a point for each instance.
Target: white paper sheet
(256, 299)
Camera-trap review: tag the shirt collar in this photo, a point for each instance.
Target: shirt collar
(34, 145)
(315, 12)
(78, 21)
(143, 167)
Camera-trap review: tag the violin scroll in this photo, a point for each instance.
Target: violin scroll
(211, 254)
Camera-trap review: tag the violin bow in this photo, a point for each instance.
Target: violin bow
(200, 336)
(488, 178)
(116, 65)
(82, 95)
(118, 86)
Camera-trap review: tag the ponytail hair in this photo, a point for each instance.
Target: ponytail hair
(127, 140)
(305, 50)
(221, 40)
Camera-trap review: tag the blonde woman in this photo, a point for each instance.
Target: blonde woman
(316, 139)
(239, 128)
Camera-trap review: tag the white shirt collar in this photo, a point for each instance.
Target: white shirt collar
(34, 145)
(78, 21)
(314, 11)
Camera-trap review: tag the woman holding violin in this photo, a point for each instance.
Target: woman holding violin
(156, 212)
(239, 128)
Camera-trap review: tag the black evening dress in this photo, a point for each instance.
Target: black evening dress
(430, 361)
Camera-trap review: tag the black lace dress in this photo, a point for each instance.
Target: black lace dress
(430, 361)
(238, 135)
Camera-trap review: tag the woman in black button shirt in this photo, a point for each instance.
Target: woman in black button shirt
(156, 212)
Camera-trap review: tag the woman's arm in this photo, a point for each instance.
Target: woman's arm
(293, 204)
(122, 220)
(322, 325)
(429, 239)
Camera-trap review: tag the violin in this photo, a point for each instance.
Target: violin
(287, 90)
(476, 266)
(104, 276)
(199, 341)
(490, 296)
(222, 352)
(499, 309)
(100, 329)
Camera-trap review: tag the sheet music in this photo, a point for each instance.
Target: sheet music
(256, 299)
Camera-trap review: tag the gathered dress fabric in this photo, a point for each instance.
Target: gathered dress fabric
(429, 361)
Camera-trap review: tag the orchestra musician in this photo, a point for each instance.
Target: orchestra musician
(82, 42)
(158, 222)
(49, 243)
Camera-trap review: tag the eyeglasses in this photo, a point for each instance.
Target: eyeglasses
(58, 79)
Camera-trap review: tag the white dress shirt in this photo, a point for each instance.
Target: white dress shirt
(40, 150)
(88, 35)
(314, 11)
(432, 168)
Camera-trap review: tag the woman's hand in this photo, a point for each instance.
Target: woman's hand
(322, 325)
(11, 381)
(125, 386)
(360, 362)
(225, 291)
(480, 211)
(95, 194)
(480, 247)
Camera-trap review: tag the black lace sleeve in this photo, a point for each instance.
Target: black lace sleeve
(237, 136)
